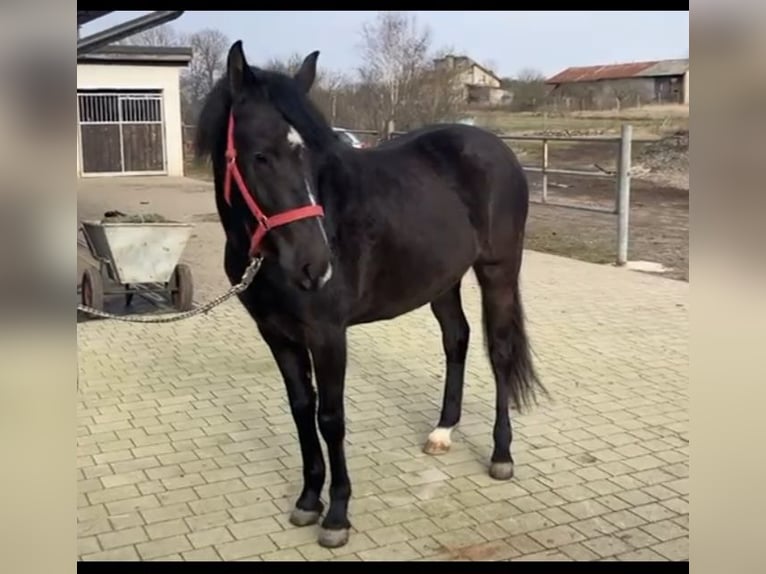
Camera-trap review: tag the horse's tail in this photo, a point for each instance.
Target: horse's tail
(505, 332)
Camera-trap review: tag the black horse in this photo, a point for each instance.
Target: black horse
(354, 236)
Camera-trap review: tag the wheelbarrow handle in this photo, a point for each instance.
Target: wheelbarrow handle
(88, 243)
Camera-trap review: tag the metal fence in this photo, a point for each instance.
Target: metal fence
(621, 209)
(623, 145)
(621, 176)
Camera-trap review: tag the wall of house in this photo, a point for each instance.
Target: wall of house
(669, 89)
(482, 78)
(605, 94)
(487, 95)
(477, 77)
(686, 87)
(136, 77)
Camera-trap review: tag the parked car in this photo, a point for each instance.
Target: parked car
(349, 138)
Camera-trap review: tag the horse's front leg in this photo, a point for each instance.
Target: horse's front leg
(294, 364)
(329, 354)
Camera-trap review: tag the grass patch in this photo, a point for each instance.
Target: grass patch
(650, 122)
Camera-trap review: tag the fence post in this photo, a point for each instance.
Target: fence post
(390, 128)
(545, 170)
(623, 193)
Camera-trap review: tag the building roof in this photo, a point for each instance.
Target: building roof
(145, 55)
(621, 71)
(85, 16)
(667, 68)
(466, 62)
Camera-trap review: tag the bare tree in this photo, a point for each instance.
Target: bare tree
(399, 73)
(327, 87)
(530, 75)
(391, 47)
(160, 36)
(625, 96)
(324, 80)
(209, 48)
(435, 95)
(289, 65)
(528, 88)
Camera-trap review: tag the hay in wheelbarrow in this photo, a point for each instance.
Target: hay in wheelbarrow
(119, 217)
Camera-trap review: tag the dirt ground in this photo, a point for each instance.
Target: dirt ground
(659, 224)
(659, 206)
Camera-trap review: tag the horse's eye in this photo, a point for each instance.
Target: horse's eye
(260, 157)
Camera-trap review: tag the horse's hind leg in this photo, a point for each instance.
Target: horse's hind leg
(509, 353)
(455, 334)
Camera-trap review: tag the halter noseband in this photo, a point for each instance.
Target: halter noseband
(265, 223)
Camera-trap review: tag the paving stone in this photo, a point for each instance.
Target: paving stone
(122, 554)
(167, 529)
(577, 551)
(163, 547)
(557, 536)
(607, 545)
(665, 530)
(242, 549)
(204, 538)
(677, 549)
(87, 545)
(641, 555)
(636, 537)
(400, 552)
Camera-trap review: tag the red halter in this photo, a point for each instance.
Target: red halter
(265, 223)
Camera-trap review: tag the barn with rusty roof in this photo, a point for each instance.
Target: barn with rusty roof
(624, 85)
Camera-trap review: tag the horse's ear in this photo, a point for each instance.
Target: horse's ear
(237, 69)
(308, 71)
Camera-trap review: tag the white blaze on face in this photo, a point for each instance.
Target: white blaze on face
(296, 141)
(294, 138)
(313, 201)
(326, 277)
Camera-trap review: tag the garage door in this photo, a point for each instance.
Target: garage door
(121, 132)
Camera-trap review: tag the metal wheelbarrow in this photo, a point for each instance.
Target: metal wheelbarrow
(137, 258)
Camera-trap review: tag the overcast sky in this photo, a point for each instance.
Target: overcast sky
(547, 41)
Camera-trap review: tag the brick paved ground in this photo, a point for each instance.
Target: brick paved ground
(187, 450)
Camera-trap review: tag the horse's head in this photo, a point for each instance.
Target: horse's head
(276, 164)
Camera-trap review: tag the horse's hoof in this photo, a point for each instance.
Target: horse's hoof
(438, 441)
(300, 517)
(501, 470)
(333, 538)
(434, 448)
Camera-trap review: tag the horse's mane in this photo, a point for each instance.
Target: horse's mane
(283, 93)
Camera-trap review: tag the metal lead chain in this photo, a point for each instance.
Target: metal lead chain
(247, 278)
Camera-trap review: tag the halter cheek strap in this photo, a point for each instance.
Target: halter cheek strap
(265, 223)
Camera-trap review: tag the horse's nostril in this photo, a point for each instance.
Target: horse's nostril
(308, 277)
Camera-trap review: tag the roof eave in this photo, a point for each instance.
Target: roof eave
(180, 61)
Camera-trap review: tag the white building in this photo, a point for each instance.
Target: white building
(129, 111)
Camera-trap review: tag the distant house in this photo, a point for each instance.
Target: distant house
(636, 83)
(129, 111)
(478, 84)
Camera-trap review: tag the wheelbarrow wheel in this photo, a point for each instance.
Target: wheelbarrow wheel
(92, 289)
(182, 287)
